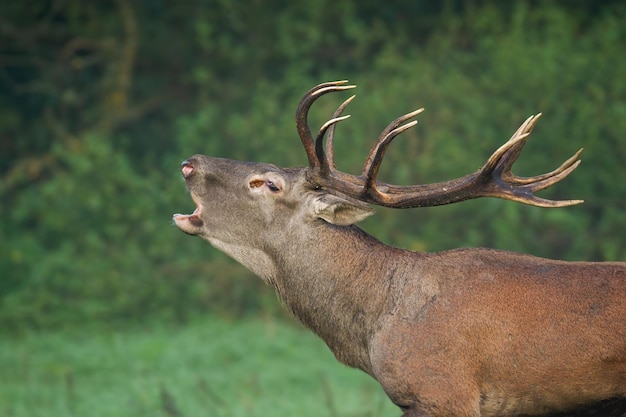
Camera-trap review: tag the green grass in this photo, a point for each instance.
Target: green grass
(208, 368)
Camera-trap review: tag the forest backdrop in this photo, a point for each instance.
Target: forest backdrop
(101, 100)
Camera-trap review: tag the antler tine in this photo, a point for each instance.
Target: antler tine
(330, 140)
(325, 163)
(375, 157)
(303, 111)
(547, 180)
(397, 122)
(513, 146)
(568, 165)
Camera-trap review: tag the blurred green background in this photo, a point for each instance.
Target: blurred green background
(101, 100)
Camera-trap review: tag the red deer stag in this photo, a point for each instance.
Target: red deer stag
(467, 332)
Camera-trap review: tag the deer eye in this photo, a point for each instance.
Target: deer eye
(273, 187)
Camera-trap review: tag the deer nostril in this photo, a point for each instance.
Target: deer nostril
(187, 168)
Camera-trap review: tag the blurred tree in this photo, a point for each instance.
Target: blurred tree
(101, 100)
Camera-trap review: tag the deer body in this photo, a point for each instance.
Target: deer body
(469, 332)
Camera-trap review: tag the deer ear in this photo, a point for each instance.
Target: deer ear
(340, 211)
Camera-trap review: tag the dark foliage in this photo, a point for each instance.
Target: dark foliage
(99, 101)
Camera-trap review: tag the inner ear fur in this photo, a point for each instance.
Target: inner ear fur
(341, 211)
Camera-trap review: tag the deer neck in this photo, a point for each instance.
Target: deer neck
(335, 282)
(338, 281)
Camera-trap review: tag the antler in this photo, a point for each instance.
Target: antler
(494, 179)
(316, 158)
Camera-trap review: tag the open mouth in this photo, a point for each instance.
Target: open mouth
(188, 223)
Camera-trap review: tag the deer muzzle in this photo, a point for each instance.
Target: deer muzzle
(186, 168)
